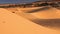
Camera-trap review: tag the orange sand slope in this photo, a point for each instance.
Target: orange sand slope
(11, 23)
(50, 13)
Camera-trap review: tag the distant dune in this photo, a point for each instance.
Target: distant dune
(21, 21)
(39, 14)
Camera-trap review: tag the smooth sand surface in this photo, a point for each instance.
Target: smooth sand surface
(51, 13)
(11, 23)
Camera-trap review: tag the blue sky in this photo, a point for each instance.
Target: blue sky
(19, 1)
(16, 1)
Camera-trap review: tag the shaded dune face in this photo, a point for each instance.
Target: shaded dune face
(55, 23)
(46, 18)
(39, 9)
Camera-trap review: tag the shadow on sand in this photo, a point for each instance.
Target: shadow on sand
(48, 22)
(39, 9)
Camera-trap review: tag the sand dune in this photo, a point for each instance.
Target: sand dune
(43, 15)
(13, 21)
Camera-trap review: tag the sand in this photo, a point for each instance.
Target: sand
(15, 23)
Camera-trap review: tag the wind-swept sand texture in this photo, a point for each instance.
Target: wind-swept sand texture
(11, 23)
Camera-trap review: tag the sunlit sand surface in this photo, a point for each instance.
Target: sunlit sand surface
(47, 17)
(51, 13)
(13, 21)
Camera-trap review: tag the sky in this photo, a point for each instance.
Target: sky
(19, 1)
(16, 1)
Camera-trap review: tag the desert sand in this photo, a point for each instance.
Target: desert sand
(15, 21)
